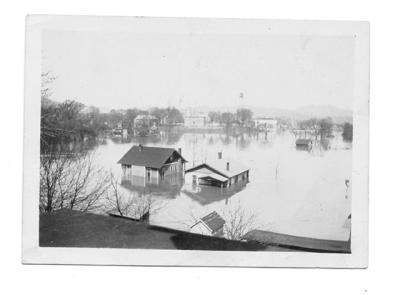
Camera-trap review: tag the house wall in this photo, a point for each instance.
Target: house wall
(173, 168)
(195, 122)
(130, 170)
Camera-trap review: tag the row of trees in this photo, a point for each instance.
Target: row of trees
(73, 182)
(67, 121)
(72, 121)
(243, 117)
(320, 127)
(347, 132)
(167, 116)
(323, 128)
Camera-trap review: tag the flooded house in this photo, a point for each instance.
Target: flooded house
(145, 125)
(221, 172)
(152, 163)
(210, 225)
(195, 121)
(119, 130)
(303, 143)
(265, 124)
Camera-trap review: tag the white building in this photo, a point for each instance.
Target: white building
(220, 172)
(266, 124)
(198, 121)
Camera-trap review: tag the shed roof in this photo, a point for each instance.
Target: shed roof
(153, 157)
(214, 221)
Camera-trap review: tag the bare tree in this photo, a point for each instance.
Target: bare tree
(47, 79)
(117, 201)
(128, 205)
(238, 222)
(52, 169)
(71, 181)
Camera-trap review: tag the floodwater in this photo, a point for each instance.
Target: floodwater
(290, 191)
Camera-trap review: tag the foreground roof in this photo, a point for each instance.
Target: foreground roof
(213, 221)
(154, 157)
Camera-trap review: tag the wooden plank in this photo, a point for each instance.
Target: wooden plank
(297, 242)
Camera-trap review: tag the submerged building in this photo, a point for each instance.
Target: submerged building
(199, 121)
(265, 124)
(303, 143)
(221, 172)
(152, 162)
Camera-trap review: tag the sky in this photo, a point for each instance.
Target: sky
(125, 70)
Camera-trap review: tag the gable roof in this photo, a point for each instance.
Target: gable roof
(219, 166)
(148, 156)
(213, 221)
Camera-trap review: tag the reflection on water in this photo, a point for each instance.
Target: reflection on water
(299, 192)
(168, 187)
(206, 195)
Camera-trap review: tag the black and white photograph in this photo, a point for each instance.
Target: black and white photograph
(210, 142)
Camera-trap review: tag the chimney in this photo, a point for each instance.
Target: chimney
(220, 155)
(180, 151)
(140, 147)
(227, 166)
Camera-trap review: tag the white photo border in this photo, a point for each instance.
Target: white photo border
(33, 254)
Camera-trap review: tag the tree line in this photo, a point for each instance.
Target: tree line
(242, 117)
(322, 128)
(70, 120)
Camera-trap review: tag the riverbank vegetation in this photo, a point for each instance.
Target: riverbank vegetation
(347, 132)
(72, 182)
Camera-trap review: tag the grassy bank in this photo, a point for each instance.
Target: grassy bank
(67, 228)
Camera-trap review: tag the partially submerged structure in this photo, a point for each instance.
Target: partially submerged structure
(265, 124)
(303, 143)
(221, 172)
(152, 162)
(210, 225)
(144, 125)
(199, 121)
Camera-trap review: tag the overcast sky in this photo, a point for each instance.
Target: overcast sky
(126, 70)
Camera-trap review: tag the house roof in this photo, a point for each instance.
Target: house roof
(153, 157)
(219, 166)
(213, 221)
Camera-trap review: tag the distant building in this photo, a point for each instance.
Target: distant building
(221, 173)
(210, 225)
(119, 130)
(145, 119)
(265, 124)
(303, 143)
(151, 162)
(145, 125)
(198, 121)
